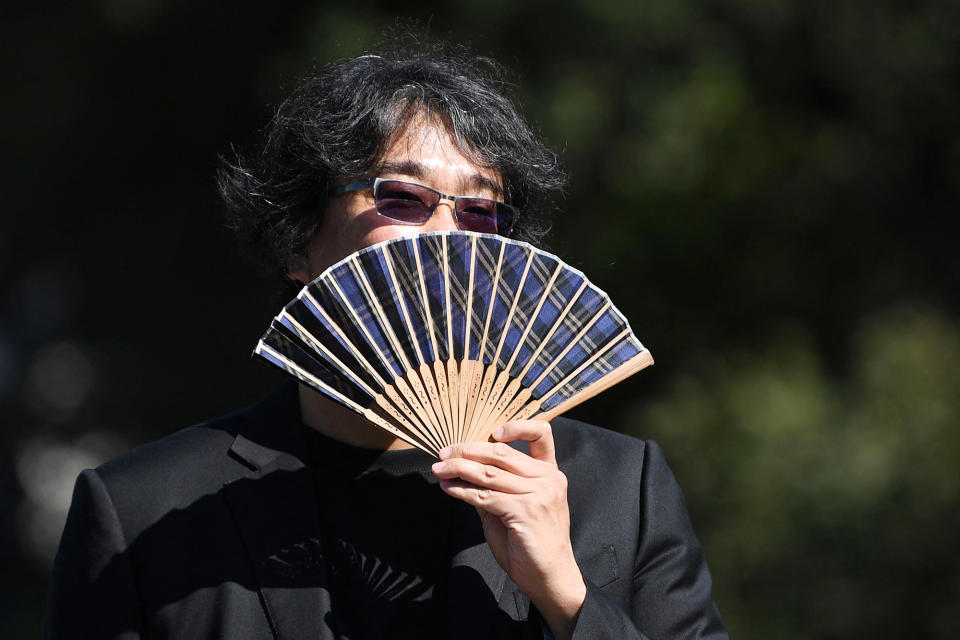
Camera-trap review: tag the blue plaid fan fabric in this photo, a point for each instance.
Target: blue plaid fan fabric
(441, 337)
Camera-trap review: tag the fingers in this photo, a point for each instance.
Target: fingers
(493, 475)
(498, 454)
(487, 501)
(537, 432)
(482, 475)
(505, 494)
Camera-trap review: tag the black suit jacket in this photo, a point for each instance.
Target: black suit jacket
(213, 533)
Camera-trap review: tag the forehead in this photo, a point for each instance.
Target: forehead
(426, 150)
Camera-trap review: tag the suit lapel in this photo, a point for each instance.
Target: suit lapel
(483, 601)
(274, 508)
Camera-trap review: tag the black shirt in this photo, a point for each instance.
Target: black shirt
(386, 529)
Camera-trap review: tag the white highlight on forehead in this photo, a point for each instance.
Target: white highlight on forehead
(427, 143)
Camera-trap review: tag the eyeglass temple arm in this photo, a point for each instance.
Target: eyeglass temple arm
(352, 186)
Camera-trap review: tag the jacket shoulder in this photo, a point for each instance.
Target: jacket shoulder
(177, 455)
(581, 443)
(175, 471)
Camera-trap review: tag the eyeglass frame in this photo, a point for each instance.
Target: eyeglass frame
(367, 183)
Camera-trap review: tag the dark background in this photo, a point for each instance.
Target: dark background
(768, 191)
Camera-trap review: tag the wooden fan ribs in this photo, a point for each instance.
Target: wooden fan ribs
(523, 320)
(442, 337)
(501, 378)
(413, 398)
(423, 385)
(398, 393)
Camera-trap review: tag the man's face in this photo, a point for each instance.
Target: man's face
(423, 153)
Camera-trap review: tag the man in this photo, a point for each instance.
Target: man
(296, 518)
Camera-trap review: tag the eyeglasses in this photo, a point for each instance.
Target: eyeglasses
(410, 203)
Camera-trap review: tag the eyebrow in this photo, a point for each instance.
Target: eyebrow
(418, 171)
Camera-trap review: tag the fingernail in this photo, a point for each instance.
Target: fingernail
(444, 453)
(438, 466)
(498, 433)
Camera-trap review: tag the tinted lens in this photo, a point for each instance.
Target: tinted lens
(477, 214)
(405, 202)
(506, 218)
(485, 216)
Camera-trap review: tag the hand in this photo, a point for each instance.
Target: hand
(522, 502)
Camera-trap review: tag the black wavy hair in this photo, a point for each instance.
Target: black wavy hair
(338, 122)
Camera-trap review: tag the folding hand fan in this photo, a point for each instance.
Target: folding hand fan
(442, 337)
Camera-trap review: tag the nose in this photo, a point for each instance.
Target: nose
(444, 217)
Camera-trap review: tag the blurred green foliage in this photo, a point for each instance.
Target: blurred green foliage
(827, 503)
(767, 189)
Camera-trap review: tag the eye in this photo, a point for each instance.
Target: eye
(404, 202)
(480, 207)
(395, 190)
(477, 214)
